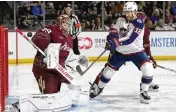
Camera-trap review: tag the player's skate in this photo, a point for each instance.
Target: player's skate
(144, 97)
(154, 87)
(94, 90)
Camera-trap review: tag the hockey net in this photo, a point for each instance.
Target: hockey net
(3, 66)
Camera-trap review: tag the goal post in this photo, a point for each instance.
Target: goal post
(3, 66)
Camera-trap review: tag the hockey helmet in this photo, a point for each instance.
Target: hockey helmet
(130, 6)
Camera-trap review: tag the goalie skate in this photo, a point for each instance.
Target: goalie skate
(95, 90)
(144, 97)
(16, 106)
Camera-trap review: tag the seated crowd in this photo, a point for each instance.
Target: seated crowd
(31, 14)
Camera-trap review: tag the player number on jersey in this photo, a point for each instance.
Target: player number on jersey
(137, 30)
(46, 30)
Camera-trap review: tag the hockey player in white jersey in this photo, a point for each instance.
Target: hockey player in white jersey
(123, 48)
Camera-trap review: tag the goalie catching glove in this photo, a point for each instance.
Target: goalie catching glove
(76, 62)
(73, 62)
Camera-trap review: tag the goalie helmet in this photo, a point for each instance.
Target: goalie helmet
(64, 22)
(130, 6)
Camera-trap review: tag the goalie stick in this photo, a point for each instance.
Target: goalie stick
(59, 68)
(169, 69)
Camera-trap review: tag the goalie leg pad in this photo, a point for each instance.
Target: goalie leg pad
(79, 93)
(45, 102)
(147, 75)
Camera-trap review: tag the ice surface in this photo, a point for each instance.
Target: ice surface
(120, 95)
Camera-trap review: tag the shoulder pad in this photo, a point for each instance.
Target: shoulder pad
(139, 20)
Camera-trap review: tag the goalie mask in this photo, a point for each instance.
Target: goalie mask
(64, 23)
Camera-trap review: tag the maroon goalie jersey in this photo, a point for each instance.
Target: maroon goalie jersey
(47, 35)
(146, 42)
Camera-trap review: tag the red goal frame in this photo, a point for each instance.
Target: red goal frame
(3, 66)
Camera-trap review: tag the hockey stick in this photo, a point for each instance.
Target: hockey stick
(59, 68)
(94, 61)
(169, 69)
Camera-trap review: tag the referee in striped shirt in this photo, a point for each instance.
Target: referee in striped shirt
(75, 27)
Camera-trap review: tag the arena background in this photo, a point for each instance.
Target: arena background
(96, 19)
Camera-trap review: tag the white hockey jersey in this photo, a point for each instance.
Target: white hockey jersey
(133, 41)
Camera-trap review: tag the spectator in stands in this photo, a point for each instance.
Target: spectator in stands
(174, 10)
(149, 24)
(168, 17)
(174, 19)
(148, 9)
(169, 5)
(98, 22)
(22, 9)
(37, 11)
(108, 7)
(88, 26)
(50, 5)
(174, 23)
(161, 26)
(91, 17)
(109, 20)
(83, 16)
(115, 17)
(116, 7)
(141, 6)
(155, 16)
(60, 12)
(23, 23)
(106, 28)
(83, 24)
(105, 15)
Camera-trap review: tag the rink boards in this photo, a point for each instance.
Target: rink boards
(91, 44)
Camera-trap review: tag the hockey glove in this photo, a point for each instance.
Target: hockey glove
(112, 41)
(112, 44)
(153, 61)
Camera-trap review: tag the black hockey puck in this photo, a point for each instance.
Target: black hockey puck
(29, 34)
